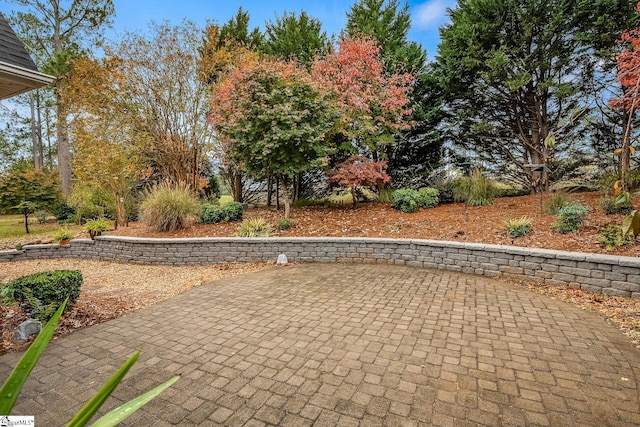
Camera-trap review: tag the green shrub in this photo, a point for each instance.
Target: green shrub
(92, 203)
(610, 206)
(254, 227)
(571, 218)
(428, 197)
(41, 216)
(62, 211)
(169, 207)
(41, 294)
(475, 189)
(95, 227)
(6, 294)
(517, 227)
(233, 211)
(405, 200)
(284, 223)
(212, 190)
(555, 203)
(211, 214)
(612, 236)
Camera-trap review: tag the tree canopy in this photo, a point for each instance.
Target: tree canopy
(273, 119)
(373, 104)
(59, 29)
(514, 71)
(299, 37)
(24, 192)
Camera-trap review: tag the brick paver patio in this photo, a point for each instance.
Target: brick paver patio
(340, 344)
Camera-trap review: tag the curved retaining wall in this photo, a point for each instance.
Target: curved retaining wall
(611, 275)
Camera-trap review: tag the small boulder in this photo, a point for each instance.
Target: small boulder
(282, 259)
(26, 329)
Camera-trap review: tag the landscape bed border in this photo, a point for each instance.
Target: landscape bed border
(604, 274)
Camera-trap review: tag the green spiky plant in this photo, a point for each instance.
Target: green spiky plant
(475, 189)
(517, 227)
(13, 385)
(254, 227)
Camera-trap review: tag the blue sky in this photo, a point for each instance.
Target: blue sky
(133, 15)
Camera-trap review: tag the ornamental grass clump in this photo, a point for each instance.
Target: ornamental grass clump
(169, 207)
(517, 227)
(555, 203)
(63, 235)
(285, 224)
(95, 227)
(254, 227)
(475, 189)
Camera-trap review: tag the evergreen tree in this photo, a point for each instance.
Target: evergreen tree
(516, 72)
(416, 152)
(236, 31)
(386, 22)
(298, 37)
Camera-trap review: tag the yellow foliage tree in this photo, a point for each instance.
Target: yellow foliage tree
(105, 147)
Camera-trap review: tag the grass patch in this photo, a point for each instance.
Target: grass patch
(12, 227)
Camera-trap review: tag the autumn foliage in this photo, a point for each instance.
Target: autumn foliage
(272, 119)
(628, 75)
(629, 69)
(374, 105)
(359, 171)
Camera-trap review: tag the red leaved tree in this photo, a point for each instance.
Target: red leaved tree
(629, 77)
(373, 104)
(359, 171)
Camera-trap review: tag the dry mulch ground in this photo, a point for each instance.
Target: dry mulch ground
(455, 222)
(111, 290)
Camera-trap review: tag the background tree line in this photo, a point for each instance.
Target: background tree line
(514, 85)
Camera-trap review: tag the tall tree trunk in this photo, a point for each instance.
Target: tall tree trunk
(237, 187)
(277, 193)
(537, 178)
(297, 187)
(64, 151)
(285, 196)
(269, 190)
(194, 177)
(47, 119)
(36, 132)
(121, 212)
(26, 222)
(625, 155)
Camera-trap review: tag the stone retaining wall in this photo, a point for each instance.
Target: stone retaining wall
(611, 275)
